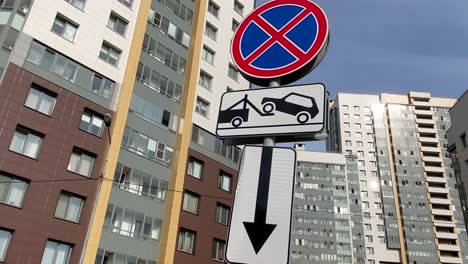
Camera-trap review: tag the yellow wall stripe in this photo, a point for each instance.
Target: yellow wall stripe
(174, 201)
(119, 122)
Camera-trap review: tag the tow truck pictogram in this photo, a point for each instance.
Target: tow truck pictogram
(295, 104)
(237, 116)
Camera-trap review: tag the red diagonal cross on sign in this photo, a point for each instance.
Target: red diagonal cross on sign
(278, 36)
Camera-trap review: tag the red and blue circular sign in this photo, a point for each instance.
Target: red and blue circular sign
(282, 40)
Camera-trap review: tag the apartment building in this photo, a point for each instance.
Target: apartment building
(211, 175)
(63, 66)
(401, 146)
(156, 211)
(458, 141)
(327, 218)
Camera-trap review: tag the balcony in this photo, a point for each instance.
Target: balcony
(442, 212)
(430, 150)
(421, 103)
(423, 112)
(428, 139)
(437, 190)
(446, 235)
(434, 169)
(446, 247)
(440, 201)
(427, 130)
(444, 223)
(450, 260)
(432, 159)
(436, 179)
(425, 121)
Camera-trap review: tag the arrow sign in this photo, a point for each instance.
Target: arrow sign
(261, 219)
(259, 231)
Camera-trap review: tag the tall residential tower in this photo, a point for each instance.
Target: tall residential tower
(407, 184)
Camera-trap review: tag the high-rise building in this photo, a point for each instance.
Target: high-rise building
(100, 194)
(66, 67)
(406, 177)
(155, 209)
(327, 218)
(458, 140)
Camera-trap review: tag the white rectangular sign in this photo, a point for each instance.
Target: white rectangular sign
(273, 111)
(261, 219)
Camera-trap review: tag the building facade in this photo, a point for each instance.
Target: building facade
(407, 184)
(150, 215)
(327, 218)
(458, 141)
(55, 136)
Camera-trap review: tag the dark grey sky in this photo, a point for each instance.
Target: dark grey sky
(394, 46)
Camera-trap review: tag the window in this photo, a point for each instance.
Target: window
(356, 108)
(218, 250)
(117, 23)
(359, 135)
(360, 144)
(235, 25)
(369, 239)
(191, 201)
(370, 261)
(5, 237)
(195, 168)
(208, 55)
(464, 140)
(26, 142)
(370, 251)
(357, 117)
(380, 228)
(364, 194)
(365, 205)
(363, 184)
(186, 241)
(377, 205)
(102, 86)
(80, 163)
(346, 116)
(40, 100)
(202, 107)
(77, 3)
(348, 143)
(213, 9)
(109, 54)
(92, 123)
(238, 7)
(56, 253)
(205, 80)
(368, 227)
(12, 190)
(233, 73)
(69, 207)
(211, 31)
(224, 181)
(64, 27)
(222, 214)
(382, 239)
(127, 3)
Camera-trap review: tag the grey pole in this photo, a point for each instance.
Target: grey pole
(270, 141)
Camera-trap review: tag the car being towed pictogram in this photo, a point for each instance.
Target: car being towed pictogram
(301, 106)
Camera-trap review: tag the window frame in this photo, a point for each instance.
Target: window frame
(221, 176)
(219, 214)
(92, 115)
(215, 253)
(81, 152)
(233, 72)
(186, 202)
(217, 9)
(57, 243)
(194, 238)
(207, 51)
(110, 49)
(42, 94)
(67, 22)
(14, 180)
(201, 106)
(212, 30)
(69, 196)
(190, 168)
(117, 18)
(238, 8)
(73, 3)
(10, 235)
(205, 78)
(25, 131)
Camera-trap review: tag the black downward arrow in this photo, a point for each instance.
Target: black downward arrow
(259, 231)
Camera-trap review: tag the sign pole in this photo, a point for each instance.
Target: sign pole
(270, 141)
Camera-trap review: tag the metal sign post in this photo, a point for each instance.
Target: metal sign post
(278, 43)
